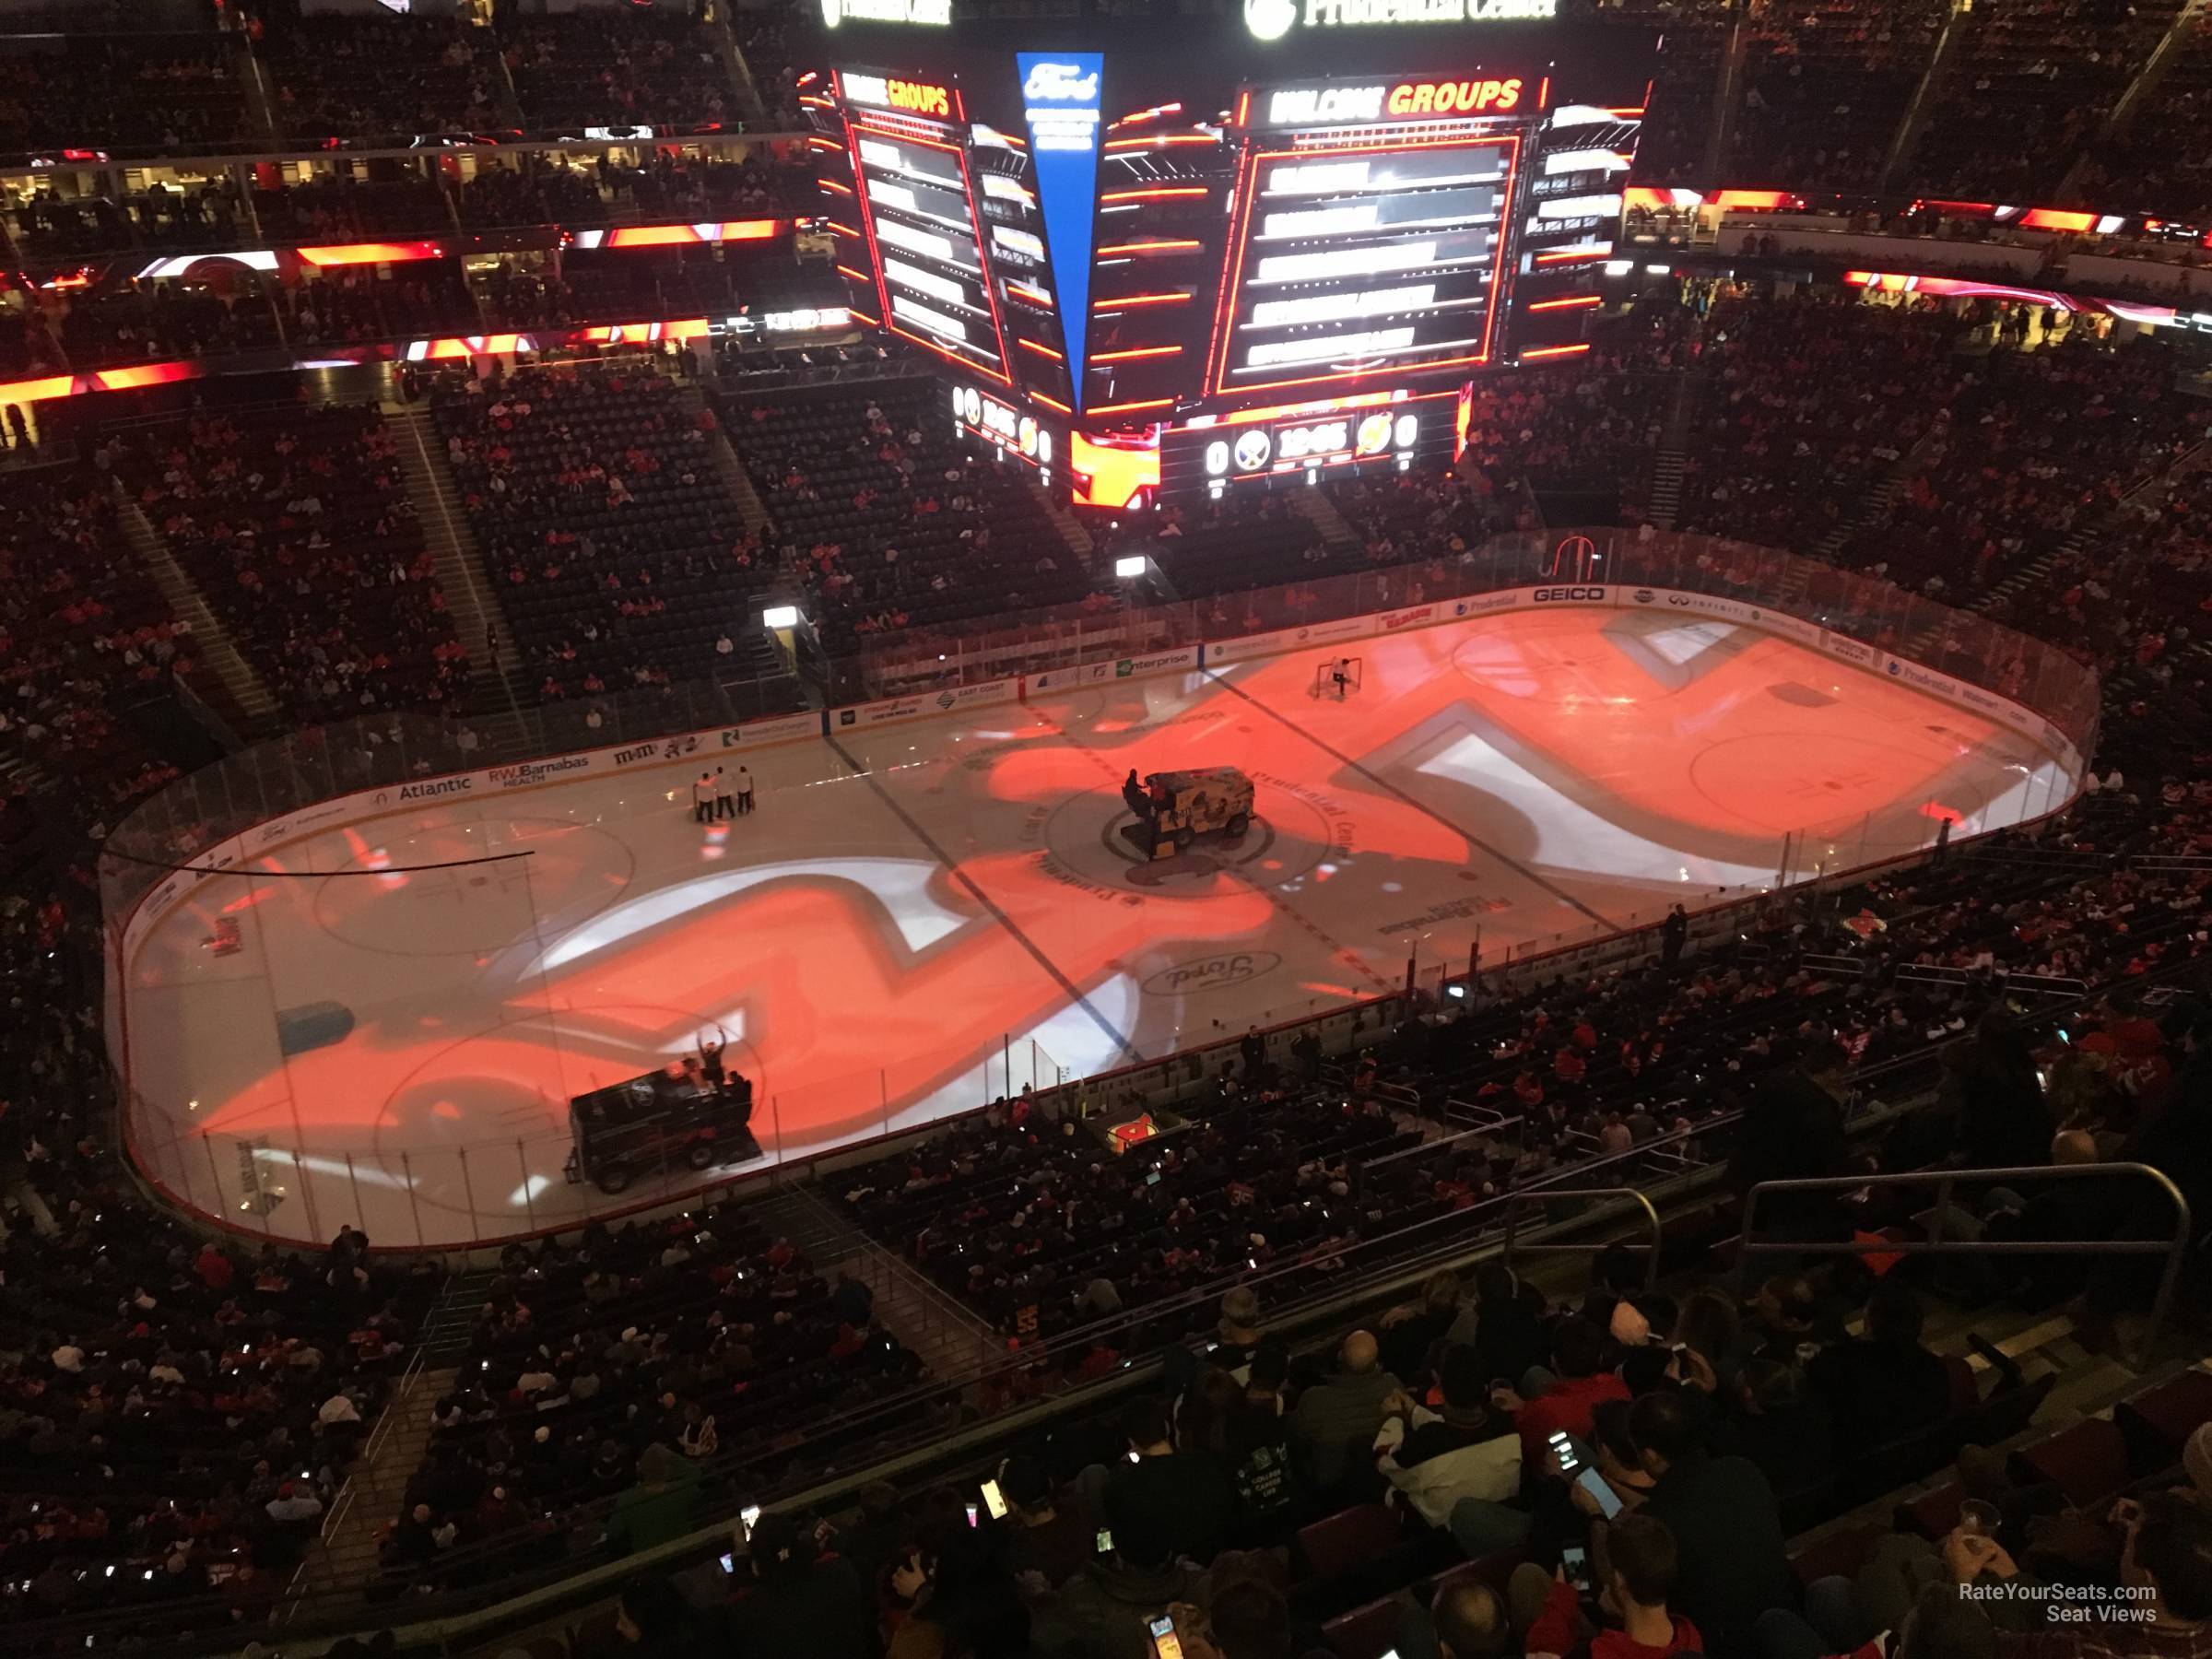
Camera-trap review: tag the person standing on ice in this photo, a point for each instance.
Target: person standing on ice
(725, 804)
(745, 787)
(702, 799)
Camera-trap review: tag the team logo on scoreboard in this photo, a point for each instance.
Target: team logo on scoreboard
(1266, 19)
(1252, 449)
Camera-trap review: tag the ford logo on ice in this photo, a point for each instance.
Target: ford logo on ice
(1066, 82)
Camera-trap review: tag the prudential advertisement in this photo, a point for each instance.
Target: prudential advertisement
(1060, 106)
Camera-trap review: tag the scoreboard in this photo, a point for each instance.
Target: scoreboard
(1269, 279)
(1367, 242)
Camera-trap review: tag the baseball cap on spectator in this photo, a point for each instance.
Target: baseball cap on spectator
(1025, 1482)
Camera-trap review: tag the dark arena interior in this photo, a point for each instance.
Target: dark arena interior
(1536, 671)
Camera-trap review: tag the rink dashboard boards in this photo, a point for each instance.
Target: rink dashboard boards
(1150, 296)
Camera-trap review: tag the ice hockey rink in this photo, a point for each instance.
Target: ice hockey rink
(920, 916)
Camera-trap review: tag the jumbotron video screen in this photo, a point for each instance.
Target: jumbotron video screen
(1160, 273)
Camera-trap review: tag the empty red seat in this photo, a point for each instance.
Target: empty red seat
(1966, 1389)
(1938, 1511)
(2087, 1461)
(1366, 1632)
(1838, 1554)
(1349, 1539)
(2177, 1407)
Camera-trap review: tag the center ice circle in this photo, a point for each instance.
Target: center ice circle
(1288, 838)
(470, 886)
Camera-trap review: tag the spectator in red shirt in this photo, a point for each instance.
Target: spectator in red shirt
(1639, 1575)
(1578, 1385)
(214, 1267)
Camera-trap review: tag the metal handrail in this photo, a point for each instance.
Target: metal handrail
(1635, 1195)
(2173, 1248)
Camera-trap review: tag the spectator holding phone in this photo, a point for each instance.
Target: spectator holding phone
(1732, 1558)
(1104, 1611)
(1578, 1383)
(787, 1594)
(1639, 1578)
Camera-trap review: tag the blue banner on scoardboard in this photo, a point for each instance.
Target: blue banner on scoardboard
(1060, 106)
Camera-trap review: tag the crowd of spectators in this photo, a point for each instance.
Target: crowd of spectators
(171, 93)
(1825, 89)
(176, 1413)
(872, 500)
(1615, 1473)
(2038, 447)
(2141, 168)
(1678, 121)
(383, 76)
(615, 68)
(217, 309)
(82, 635)
(2029, 87)
(1808, 400)
(763, 37)
(534, 191)
(733, 181)
(48, 224)
(362, 203)
(355, 303)
(619, 556)
(638, 1363)
(298, 526)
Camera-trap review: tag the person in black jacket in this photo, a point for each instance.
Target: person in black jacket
(1883, 1385)
(1732, 1560)
(1509, 1325)
(2003, 1120)
(1794, 1131)
(1775, 1419)
(788, 1597)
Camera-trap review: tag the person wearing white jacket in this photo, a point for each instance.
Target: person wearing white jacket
(1434, 1459)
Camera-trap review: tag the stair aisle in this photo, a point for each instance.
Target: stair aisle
(253, 711)
(949, 1339)
(469, 595)
(726, 466)
(1336, 533)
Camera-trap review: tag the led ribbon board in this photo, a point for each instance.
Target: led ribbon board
(1059, 107)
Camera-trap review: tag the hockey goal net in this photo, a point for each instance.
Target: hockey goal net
(1338, 677)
